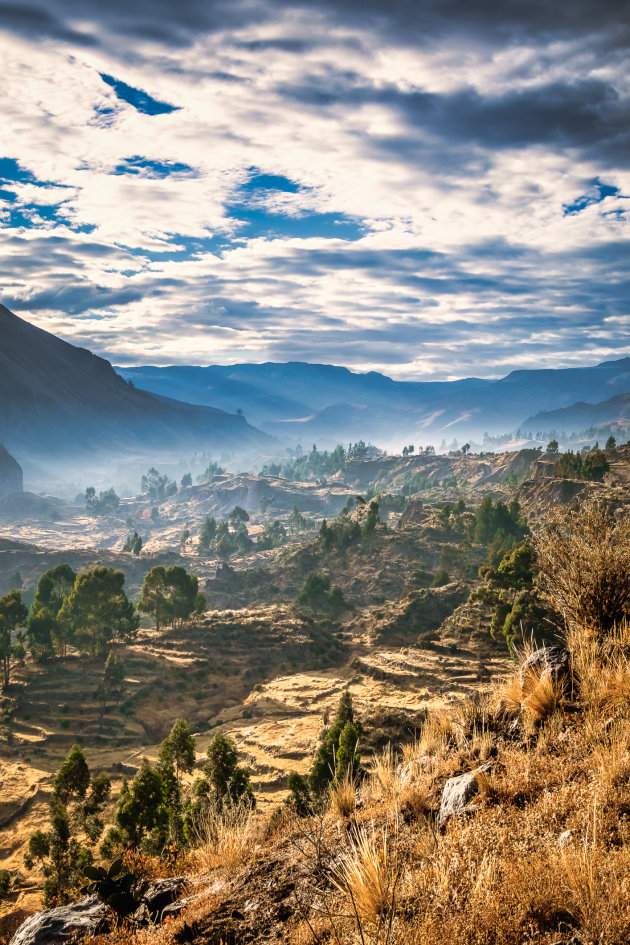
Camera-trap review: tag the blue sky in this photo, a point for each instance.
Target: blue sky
(429, 189)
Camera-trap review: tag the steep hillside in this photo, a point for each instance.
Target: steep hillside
(10, 474)
(56, 398)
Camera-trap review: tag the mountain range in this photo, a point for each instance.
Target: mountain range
(322, 402)
(58, 401)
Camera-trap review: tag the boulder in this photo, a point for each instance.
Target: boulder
(65, 924)
(547, 659)
(458, 793)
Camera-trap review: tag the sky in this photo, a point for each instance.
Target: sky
(431, 189)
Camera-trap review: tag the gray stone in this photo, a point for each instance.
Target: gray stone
(64, 924)
(458, 793)
(547, 659)
(564, 838)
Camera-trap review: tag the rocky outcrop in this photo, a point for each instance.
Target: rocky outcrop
(548, 660)
(65, 924)
(458, 793)
(11, 479)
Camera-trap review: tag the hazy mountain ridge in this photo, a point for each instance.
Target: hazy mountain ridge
(580, 416)
(304, 401)
(56, 398)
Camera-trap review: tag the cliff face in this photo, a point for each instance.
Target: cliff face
(10, 473)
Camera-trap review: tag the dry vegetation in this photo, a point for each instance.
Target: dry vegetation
(541, 853)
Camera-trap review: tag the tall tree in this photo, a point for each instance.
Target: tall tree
(98, 609)
(13, 614)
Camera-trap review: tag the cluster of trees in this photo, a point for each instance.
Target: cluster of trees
(157, 487)
(337, 758)
(318, 594)
(154, 811)
(344, 532)
(500, 525)
(103, 504)
(75, 825)
(133, 544)
(226, 538)
(212, 469)
(318, 465)
(89, 611)
(509, 587)
(589, 466)
(272, 536)
(170, 595)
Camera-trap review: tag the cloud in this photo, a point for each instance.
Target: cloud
(423, 188)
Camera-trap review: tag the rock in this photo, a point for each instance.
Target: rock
(157, 896)
(11, 479)
(413, 769)
(65, 924)
(458, 793)
(564, 838)
(551, 659)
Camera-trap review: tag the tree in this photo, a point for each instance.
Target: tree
(186, 481)
(212, 469)
(63, 857)
(106, 502)
(372, 519)
(272, 536)
(112, 680)
(45, 628)
(184, 538)
(611, 444)
(318, 594)
(157, 487)
(133, 545)
(98, 609)
(207, 534)
(170, 594)
(13, 614)
(552, 446)
(338, 755)
(466, 448)
(73, 778)
(179, 747)
(226, 779)
(153, 595)
(140, 810)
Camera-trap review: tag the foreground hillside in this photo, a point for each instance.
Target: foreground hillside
(408, 639)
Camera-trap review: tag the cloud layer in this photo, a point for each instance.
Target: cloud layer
(427, 188)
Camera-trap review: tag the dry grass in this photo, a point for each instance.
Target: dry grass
(366, 875)
(226, 837)
(434, 739)
(343, 796)
(535, 692)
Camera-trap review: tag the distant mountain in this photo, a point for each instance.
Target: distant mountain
(11, 477)
(581, 416)
(324, 403)
(57, 400)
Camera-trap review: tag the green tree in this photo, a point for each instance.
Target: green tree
(179, 748)
(338, 753)
(45, 629)
(226, 780)
(105, 503)
(318, 594)
(111, 683)
(140, 811)
(157, 487)
(153, 597)
(13, 614)
(133, 545)
(98, 610)
(611, 444)
(207, 535)
(186, 481)
(552, 446)
(73, 778)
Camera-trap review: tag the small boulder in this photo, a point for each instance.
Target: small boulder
(65, 924)
(547, 659)
(458, 793)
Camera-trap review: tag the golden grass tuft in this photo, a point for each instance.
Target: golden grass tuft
(225, 836)
(536, 692)
(343, 796)
(366, 874)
